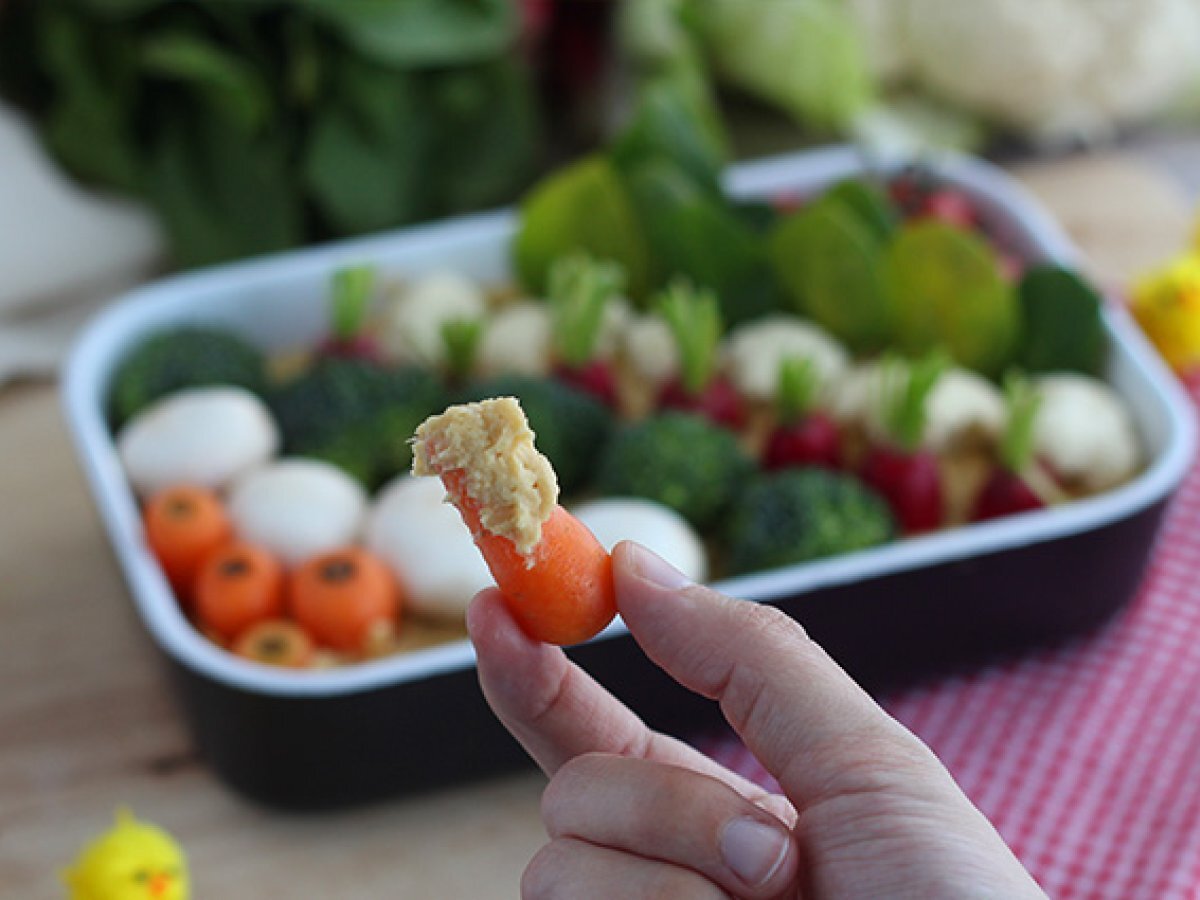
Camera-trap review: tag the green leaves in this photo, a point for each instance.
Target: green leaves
(1064, 331)
(257, 125)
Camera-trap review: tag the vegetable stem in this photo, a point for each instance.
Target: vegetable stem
(579, 289)
(694, 318)
(461, 339)
(351, 296)
(798, 382)
(906, 390)
(1023, 400)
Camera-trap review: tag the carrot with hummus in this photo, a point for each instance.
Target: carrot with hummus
(556, 577)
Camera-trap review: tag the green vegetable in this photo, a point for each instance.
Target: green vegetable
(830, 259)
(579, 291)
(796, 515)
(1023, 402)
(677, 459)
(461, 339)
(583, 207)
(1063, 328)
(571, 427)
(799, 381)
(254, 126)
(351, 295)
(695, 320)
(946, 290)
(870, 204)
(356, 414)
(905, 401)
(185, 357)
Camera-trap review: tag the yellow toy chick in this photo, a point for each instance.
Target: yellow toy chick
(1166, 303)
(133, 860)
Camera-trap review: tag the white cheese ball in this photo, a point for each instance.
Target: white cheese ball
(755, 351)
(411, 324)
(297, 508)
(650, 349)
(206, 436)
(424, 541)
(654, 526)
(1084, 431)
(964, 408)
(517, 339)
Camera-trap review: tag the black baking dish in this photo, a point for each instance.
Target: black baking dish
(327, 738)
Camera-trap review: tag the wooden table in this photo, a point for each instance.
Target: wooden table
(86, 723)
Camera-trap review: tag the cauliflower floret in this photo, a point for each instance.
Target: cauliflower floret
(1084, 432)
(411, 326)
(650, 350)
(963, 409)
(1055, 68)
(755, 352)
(517, 339)
(618, 316)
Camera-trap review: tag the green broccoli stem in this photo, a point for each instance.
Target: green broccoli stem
(797, 389)
(1023, 401)
(694, 318)
(461, 339)
(351, 296)
(907, 386)
(579, 291)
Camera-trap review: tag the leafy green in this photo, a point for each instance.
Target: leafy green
(1064, 331)
(831, 262)
(579, 290)
(695, 322)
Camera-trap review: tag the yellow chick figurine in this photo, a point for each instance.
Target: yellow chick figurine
(133, 860)
(1166, 303)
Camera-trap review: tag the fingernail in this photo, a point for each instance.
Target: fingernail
(651, 567)
(753, 851)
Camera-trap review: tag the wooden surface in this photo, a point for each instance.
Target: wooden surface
(86, 723)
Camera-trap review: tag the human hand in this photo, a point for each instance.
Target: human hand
(867, 810)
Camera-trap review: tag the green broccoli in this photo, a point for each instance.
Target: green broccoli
(800, 514)
(184, 357)
(571, 427)
(356, 414)
(678, 459)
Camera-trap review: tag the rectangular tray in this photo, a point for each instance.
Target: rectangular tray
(415, 721)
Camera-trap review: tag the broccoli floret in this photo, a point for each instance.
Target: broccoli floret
(678, 459)
(571, 427)
(800, 514)
(356, 414)
(191, 356)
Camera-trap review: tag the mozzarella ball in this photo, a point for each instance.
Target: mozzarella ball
(754, 353)
(411, 325)
(517, 339)
(654, 526)
(205, 436)
(427, 546)
(1084, 431)
(297, 508)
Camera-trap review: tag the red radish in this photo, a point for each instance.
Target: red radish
(919, 194)
(1010, 488)
(351, 298)
(907, 475)
(695, 320)
(580, 289)
(804, 436)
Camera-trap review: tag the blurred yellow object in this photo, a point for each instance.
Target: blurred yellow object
(1166, 304)
(133, 860)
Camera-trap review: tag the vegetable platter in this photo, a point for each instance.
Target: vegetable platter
(414, 720)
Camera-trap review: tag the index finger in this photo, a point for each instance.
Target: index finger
(558, 712)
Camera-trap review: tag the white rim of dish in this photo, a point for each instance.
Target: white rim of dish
(809, 169)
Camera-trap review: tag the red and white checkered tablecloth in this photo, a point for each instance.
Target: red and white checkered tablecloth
(1086, 757)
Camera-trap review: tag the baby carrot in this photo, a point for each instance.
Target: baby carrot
(344, 598)
(238, 586)
(184, 524)
(556, 577)
(277, 642)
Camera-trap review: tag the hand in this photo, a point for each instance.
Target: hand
(869, 811)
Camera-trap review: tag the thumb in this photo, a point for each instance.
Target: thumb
(805, 719)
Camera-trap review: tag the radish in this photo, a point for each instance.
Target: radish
(580, 289)
(804, 436)
(1018, 483)
(905, 473)
(351, 296)
(695, 320)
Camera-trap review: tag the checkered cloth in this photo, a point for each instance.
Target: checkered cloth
(1087, 757)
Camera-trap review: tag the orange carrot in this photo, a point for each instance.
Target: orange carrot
(238, 586)
(344, 597)
(277, 642)
(560, 590)
(184, 524)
